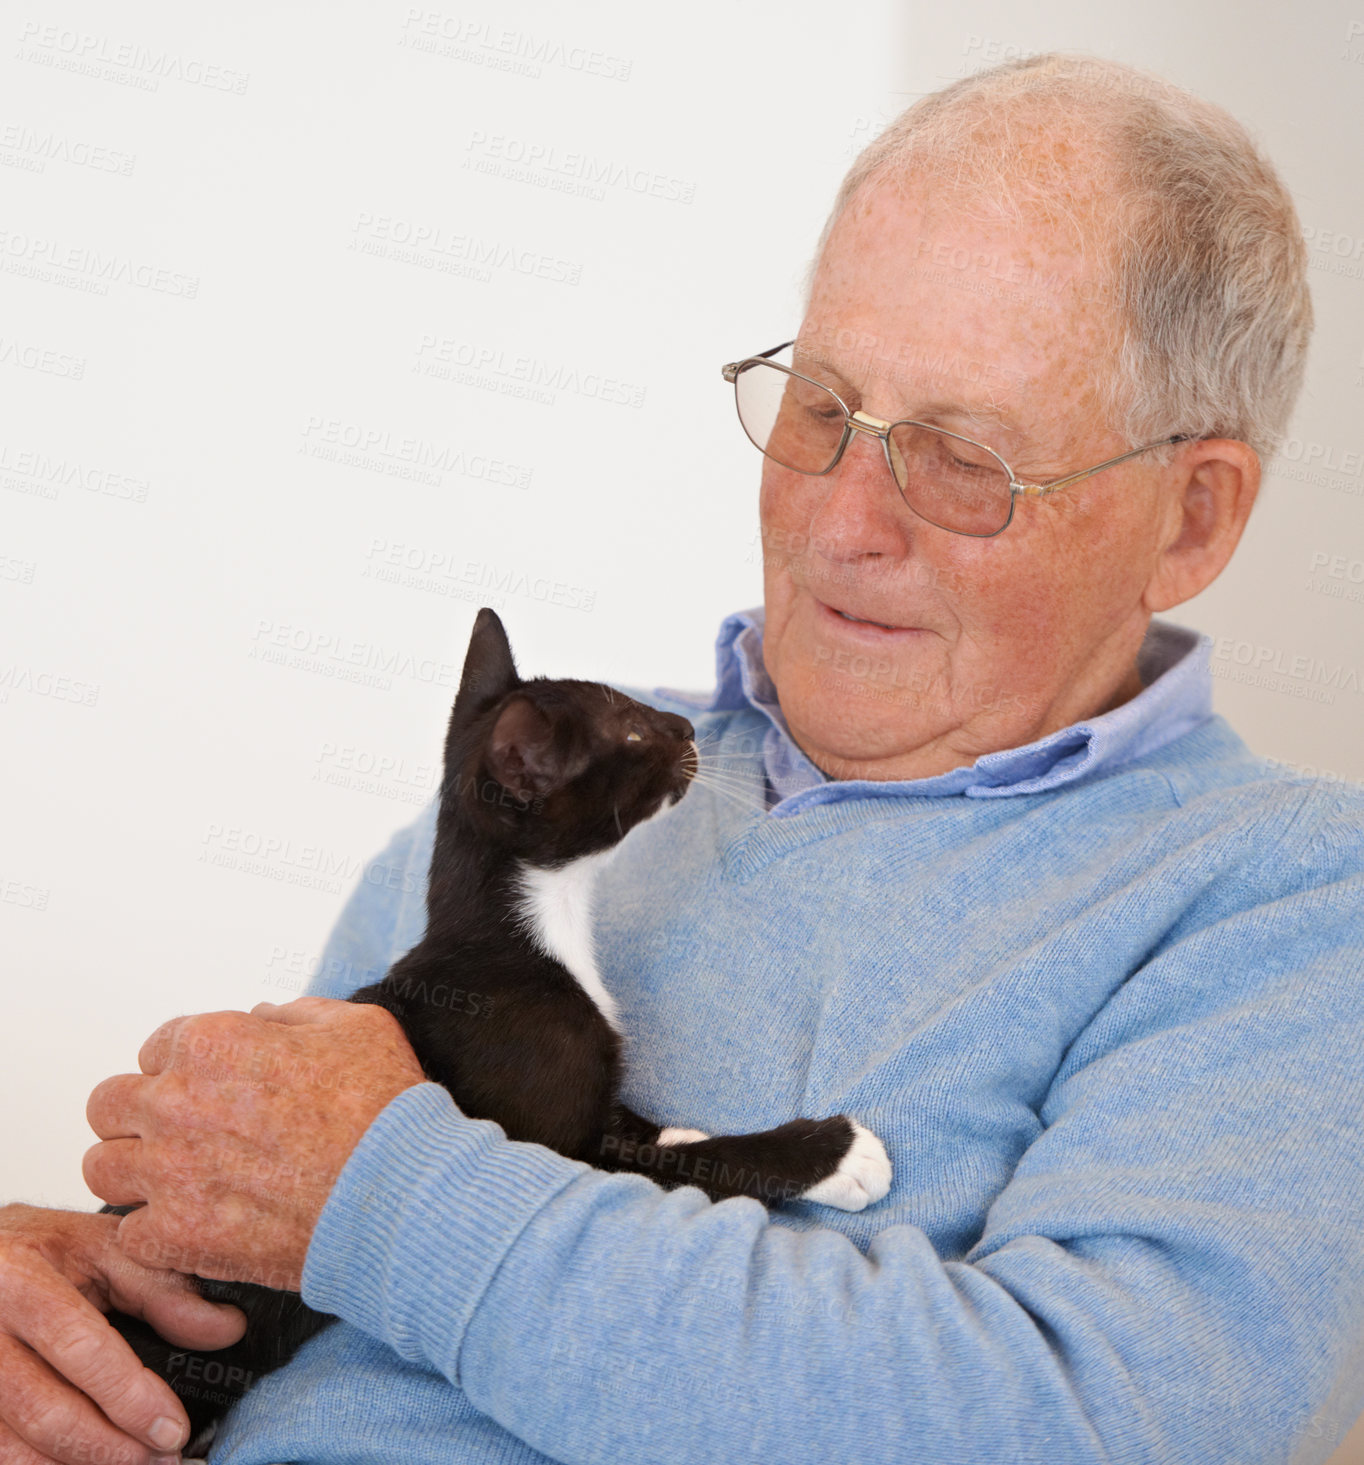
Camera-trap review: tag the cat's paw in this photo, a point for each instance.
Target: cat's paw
(676, 1136)
(862, 1177)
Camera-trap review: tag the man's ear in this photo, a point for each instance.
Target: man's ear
(521, 753)
(1213, 489)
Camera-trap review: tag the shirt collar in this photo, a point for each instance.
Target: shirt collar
(1176, 697)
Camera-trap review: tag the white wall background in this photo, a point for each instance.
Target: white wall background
(235, 242)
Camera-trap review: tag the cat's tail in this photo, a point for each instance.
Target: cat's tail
(834, 1161)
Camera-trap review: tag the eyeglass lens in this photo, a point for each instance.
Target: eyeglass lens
(949, 481)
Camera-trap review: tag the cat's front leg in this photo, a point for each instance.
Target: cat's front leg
(863, 1174)
(835, 1162)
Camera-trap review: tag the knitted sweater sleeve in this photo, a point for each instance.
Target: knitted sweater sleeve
(1174, 1272)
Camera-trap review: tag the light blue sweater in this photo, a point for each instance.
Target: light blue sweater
(1103, 1000)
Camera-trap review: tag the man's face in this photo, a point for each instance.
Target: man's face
(998, 332)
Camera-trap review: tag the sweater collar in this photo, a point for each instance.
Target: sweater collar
(1176, 697)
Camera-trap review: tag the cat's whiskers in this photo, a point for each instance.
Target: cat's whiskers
(745, 796)
(740, 775)
(741, 784)
(723, 780)
(709, 756)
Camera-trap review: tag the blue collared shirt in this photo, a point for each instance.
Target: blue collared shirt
(1176, 697)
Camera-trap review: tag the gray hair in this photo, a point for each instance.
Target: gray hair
(1208, 269)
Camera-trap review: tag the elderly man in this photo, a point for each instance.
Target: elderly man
(981, 868)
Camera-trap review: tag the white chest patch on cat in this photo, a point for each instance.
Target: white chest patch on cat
(556, 907)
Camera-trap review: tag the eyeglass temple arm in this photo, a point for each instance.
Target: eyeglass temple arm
(1040, 490)
(731, 369)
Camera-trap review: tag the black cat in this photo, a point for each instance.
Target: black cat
(543, 779)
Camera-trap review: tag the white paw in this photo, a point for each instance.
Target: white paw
(863, 1175)
(680, 1136)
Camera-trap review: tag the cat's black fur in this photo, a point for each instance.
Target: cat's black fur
(539, 775)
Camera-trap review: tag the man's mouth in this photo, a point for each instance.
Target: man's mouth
(858, 621)
(847, 618)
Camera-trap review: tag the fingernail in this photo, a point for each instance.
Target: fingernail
(167, 1434)
(165, 1460)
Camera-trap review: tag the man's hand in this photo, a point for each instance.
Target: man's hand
(71, 1389)
(235, 1132)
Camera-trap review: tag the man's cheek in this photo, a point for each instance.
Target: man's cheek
(788, 500)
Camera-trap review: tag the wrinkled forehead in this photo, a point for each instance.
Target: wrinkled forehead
(923, 294)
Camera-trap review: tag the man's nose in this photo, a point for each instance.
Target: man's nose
(862, 512)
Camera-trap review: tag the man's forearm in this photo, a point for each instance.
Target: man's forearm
(588, 1312)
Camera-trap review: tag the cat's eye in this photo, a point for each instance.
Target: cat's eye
(634, 737)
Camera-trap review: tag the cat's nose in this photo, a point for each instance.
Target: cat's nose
(680, 728)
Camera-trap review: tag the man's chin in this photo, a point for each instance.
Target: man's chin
(849, 705)
(847, 734)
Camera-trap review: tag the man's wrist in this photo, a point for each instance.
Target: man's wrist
(421, 1215)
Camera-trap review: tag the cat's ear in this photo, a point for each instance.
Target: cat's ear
(489, 671)
(522, 755)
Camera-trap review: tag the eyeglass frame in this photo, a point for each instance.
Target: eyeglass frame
(877, 427)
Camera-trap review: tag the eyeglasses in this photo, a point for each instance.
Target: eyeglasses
(951, 481)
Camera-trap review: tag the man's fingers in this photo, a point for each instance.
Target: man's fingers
(191, 1321)
(13, 1451)
(72, 1352)
(300, 1010)
(321, 1011)
(145, 1244)
(108, 1171)
(49, 1420)
(155, 1054)
(114, 1106)
(171, 1303)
